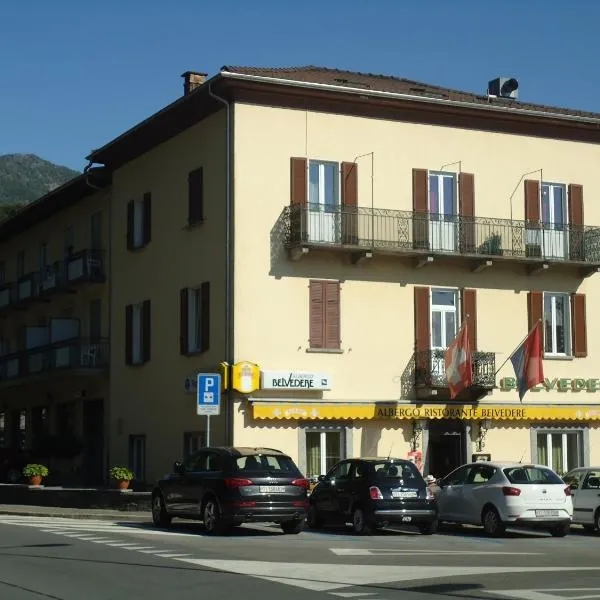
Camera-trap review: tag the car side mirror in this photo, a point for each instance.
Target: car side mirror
(178, 466)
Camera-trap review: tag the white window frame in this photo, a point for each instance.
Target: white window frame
(441, 175)
(443, 308)
(321, 164)
(138, 224)
(194, 320)
(323, 431)
(137, 357)
(548, 433)
(553, 323)
(551, 187)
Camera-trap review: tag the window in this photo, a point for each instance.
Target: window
(324, 223)
(573, 479)
(96, 231)
(20, 264)
(341, 471)
(69, 240)
(195, 319)
(196, 197)
(561, 451)
(137, 333)
(444, 317)
(532, 476)
(457, 477)
(65, 419)
(192, 442)
(324, 319)
(557, 324)
(2, 429)
(481, 474)
(592, 481)
(21, 429)
(139, 222)
(137, 456)
(95, 320)
(323, 450)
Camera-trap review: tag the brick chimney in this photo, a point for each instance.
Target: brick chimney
(192, 80)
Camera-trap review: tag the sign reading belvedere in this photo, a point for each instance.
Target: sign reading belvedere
(557, 384)
(291, 380)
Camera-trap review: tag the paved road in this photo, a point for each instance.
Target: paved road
(68, 559)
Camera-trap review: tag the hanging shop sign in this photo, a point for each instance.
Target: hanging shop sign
(556, 384)
(295, 380)
(245, 377)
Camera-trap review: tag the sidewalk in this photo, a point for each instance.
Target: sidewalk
(75, 513)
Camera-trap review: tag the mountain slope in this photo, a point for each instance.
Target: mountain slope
(26, 177)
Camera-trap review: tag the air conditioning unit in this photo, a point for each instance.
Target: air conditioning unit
(504, 87)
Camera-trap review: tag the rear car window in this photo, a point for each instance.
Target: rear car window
(397, 470)
(532, 475)
(272, 464)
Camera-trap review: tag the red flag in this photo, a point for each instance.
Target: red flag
(527, 361)
(458, 360)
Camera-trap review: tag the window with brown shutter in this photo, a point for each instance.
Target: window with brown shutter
(147, 218)
(349, 203)
(578, 325)
(324, 315)
(535, 310)
(196, 197)
(298, 199)
(532, 202)
(146, 331)
(129, 334)
(422, 333)
(194, 309)
(420, 210)
(576, 247)
(469, 311)
(466, 208)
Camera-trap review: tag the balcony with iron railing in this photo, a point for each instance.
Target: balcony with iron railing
(428, 236)
(425, 376)
(86, 266)
(64, 356)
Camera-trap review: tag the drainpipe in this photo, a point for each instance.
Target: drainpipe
(229, 232)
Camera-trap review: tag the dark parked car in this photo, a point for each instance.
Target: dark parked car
(225, 487)
(373, 492)
(12, 462)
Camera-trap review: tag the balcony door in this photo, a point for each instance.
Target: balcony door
(444, 323)
(443, 225)
(324, 202)
(554, 220)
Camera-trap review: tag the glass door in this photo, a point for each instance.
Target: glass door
(554, 219)
(323, 450)
(323, 202)
(561, 452)
(443, 328)
(443, 229)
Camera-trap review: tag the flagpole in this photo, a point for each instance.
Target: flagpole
(518, 345)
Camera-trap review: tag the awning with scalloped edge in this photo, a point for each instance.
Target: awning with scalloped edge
(379, 411)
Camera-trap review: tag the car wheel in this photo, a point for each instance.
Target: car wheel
(560, 530)
(160, 516)
(313, 519)
(428, 528)
(589, 528)
(492, 525)
(292, 527)
(359, 522)
(213, 523)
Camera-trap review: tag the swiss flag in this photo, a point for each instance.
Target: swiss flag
(458, 361)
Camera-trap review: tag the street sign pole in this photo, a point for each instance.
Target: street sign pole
(208, 398)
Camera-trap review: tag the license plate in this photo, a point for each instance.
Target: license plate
(271, 489)
(406, 519)
(411, 494)
(546, 513)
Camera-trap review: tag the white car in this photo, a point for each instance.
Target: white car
(499, 494)
(585, 487)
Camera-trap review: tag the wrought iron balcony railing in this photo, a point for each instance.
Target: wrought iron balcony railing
(76, 353)
(409, 232)
(430, 370)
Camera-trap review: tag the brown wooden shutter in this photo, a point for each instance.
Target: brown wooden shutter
(332, 315)
(183, 321)
(147, 236)
(298, 191)
(420, 210)
(422, 335)
(317, 314)
(535, 310)
(146, 331)
(129, 334)
(350, 203)
(466, 209)
(205, 316)
(532, 202)
(196, 196)
(469, 308)
(576, 248)
(130, 207)
(579, 325)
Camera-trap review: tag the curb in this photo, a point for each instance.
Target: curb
(98, 516)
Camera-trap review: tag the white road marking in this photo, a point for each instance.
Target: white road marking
(402, 551)
(326, 577)
(171, 555)
(352, 594)
(154, 551)
(545, 595)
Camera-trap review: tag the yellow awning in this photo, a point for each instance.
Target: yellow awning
(376, 411)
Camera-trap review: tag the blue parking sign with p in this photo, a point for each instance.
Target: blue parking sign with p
(208, 399)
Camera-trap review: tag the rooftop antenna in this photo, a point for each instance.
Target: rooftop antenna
(390, 452)
(522, 456)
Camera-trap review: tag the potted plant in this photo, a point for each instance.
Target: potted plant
(122, 475)
(35, 473)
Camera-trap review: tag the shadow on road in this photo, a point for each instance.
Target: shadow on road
(197, 528)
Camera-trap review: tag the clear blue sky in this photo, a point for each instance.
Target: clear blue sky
(75, 74)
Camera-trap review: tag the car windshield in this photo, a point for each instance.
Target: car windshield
(273, 464)
(532, 475)
(398, 470)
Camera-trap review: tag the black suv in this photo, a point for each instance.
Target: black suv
(225, 487)
(373, 492)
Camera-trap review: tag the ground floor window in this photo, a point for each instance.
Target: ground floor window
(137, 456)
(2, 429)
(559, 449)
(324, 448)
(192, 442)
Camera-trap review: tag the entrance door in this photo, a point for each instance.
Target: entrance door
(443, 230)
(323, 202)
(323, 450)
(443, 329)
(554, 220)
(445, 449)
(93, 435)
